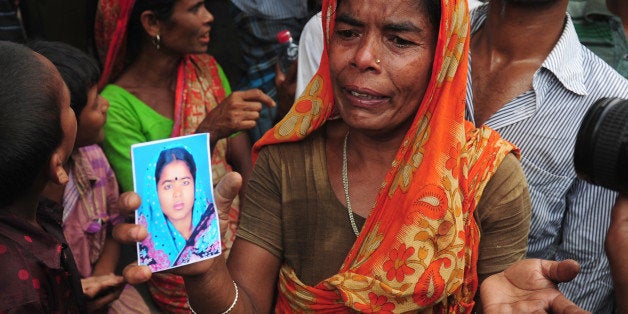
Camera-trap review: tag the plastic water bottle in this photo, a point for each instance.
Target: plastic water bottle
(289, 50)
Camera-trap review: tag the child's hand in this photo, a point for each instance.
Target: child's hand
(102, 290)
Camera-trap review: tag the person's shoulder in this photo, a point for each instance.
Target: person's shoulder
(293, 150)
(13, 259)
(96, 157)
(204, 61)
(19, 282)
(120, 97)
(600, 77)
(113, 90)
(93, 152)
(508, 177)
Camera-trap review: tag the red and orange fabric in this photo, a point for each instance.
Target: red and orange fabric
(199, 89)
(418, 249)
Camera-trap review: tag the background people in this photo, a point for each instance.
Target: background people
(258, 24)
(161, 83)
(531, 80)
(602, 30)
(90, 197)
(68, 21)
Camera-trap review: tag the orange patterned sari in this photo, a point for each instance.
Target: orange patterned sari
(199, 89)
(418, 249)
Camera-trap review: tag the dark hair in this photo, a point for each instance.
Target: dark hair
(136, 34)
(79, 71)
(171, 154)
(433, 8)
(30, 123)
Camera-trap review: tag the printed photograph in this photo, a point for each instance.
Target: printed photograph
(173, 178)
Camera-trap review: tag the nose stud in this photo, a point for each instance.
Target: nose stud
(378, 61)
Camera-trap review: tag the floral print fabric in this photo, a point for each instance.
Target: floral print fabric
(418, 248)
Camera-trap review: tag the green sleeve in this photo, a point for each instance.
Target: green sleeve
(225, 81)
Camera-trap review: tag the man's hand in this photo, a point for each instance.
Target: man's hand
(224, 193)
(530, 286)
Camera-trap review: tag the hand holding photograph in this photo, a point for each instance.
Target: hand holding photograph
(173, 178)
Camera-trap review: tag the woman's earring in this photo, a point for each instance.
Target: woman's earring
(157, 41)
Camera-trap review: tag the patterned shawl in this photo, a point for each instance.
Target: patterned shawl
(418, 248)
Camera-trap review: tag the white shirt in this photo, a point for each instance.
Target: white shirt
(310, 51)
(570, 217)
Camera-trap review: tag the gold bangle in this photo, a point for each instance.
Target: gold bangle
(190, 306)
(235, 300)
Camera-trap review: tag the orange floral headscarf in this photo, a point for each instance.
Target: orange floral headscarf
(418, 248)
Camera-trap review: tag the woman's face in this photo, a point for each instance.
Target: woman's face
(381, 55)
(92, 119)
(175, 190)
(187, 31)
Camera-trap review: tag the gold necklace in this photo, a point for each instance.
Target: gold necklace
(345, 186)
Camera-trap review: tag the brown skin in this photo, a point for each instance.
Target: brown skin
(619, 8)
(381, 124)
(529, 286)
(152, 78)
(376, 127)
(616, 244)
(101, 291)
(56, 176)
(103, 281)
(502, 62)
(377, 124)
(53, 178)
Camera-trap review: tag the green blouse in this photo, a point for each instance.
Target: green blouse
(131, 121)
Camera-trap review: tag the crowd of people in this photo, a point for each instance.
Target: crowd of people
(417, 156)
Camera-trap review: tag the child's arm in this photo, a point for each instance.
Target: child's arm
(108, 260)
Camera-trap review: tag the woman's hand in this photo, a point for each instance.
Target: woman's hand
(102, 290)
(224, 193)
(530, 286)
(235, 113)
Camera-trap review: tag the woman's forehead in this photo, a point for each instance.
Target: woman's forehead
(392, 11)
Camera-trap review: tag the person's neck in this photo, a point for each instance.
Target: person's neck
(25, 208)
(515, 32)
(379, 147)
(154, 68)
(184, 227)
